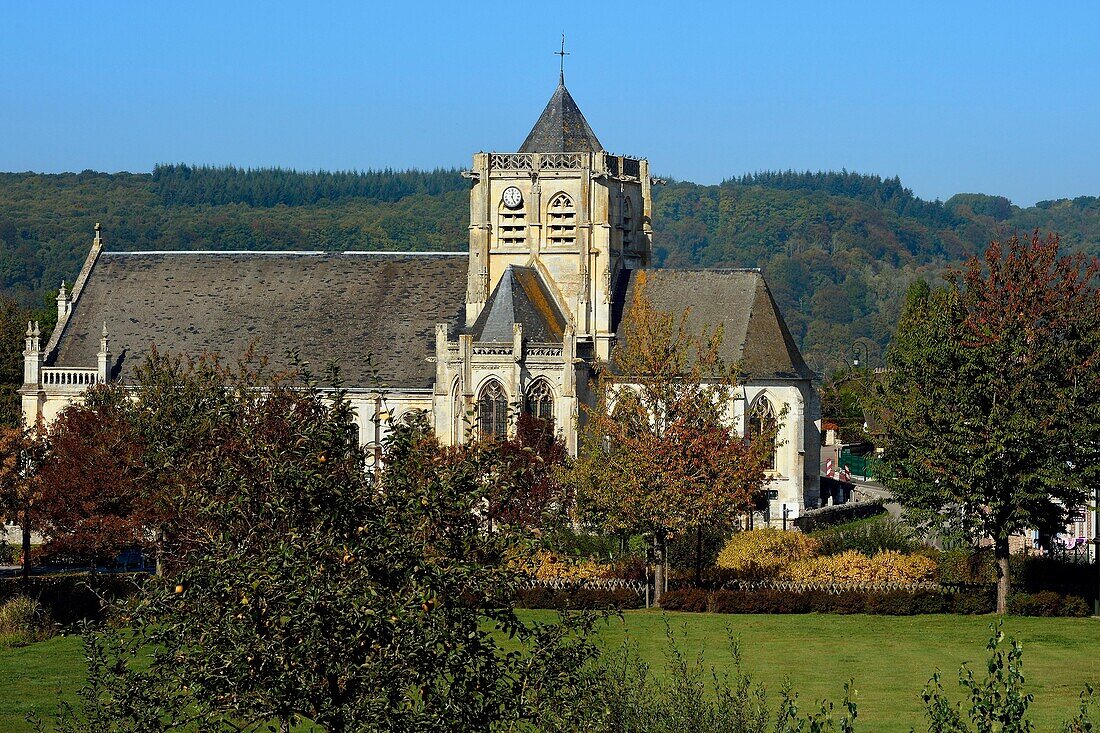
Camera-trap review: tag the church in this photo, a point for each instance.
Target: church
(559, 234)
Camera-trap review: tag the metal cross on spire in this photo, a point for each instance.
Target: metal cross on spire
(562, 53)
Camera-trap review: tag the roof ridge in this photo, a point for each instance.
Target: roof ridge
(405, 253)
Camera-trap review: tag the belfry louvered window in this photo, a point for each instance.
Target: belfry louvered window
(492, 412)
(628, 223)
(561, 220)
(511, 226)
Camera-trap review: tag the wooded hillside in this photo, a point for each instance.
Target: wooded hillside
(838, 249)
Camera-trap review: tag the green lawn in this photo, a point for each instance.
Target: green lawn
(31, 676)
(889, 658)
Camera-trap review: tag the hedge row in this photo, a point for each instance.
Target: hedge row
(891, 603)
(1047, 603)
(578, 598)
(73, 597)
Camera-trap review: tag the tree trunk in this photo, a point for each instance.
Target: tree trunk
(1001, 553)
(26, 528)
(658, 567)
(698, 557)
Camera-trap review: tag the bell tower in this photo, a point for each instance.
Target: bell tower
(566, 207)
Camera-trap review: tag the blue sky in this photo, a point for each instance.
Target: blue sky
(953, 97)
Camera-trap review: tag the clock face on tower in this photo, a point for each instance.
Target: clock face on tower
(512, 197)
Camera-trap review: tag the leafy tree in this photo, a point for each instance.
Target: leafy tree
(658, 454)
(93, 502)
(989, 401)
(22, 450)
(13, 320)
(301, 589)
(533, 495)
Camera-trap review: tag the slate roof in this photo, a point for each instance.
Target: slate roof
(329, 306)
(561, 128)
(520, 297)
(753, 328)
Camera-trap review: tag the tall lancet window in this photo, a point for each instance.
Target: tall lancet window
(762, 420)
(492, 412)
(539, 402)
(628, 222)
(561, 220)
(511, 225)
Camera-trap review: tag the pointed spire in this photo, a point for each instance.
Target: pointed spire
(64, 303)
(561, 128)
(103, 357)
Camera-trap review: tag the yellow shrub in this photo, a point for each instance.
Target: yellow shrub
(855, 567)
(545, 565)
(764, 553)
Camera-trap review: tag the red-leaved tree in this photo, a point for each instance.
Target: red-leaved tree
(93, 503)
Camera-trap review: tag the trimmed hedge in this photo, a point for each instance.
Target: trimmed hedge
(813, 520)
(578, 599)
(1046, 603)
(888, 602)
(73, 597)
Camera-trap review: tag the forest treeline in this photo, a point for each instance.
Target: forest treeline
(838, 248)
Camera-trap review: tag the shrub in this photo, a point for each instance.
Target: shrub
(762, 553)
(966, 567)
(898, 602)
(23, 621)
(855, 567)
(1046, 603)
(876, 534)
(578, 599)
(545, 565)
(973, 601)
(74, 597)
(686, 599)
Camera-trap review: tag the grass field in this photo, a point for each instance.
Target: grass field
(890, 659)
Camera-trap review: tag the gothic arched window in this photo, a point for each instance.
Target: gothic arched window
(511, 226)
(492, 412)
(762, 420)
(561, 220)
(539, 402)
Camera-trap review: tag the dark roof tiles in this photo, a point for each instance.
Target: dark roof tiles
(520, 297)
(330, 307)
(561, 128)
(739, 300)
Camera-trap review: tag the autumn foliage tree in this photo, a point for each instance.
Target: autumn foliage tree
(989, 403)
(22, 449)
(660, 453)
(301, 590)
(94, 503)
(534, 496)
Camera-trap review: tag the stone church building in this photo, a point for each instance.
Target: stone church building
(559, 232)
